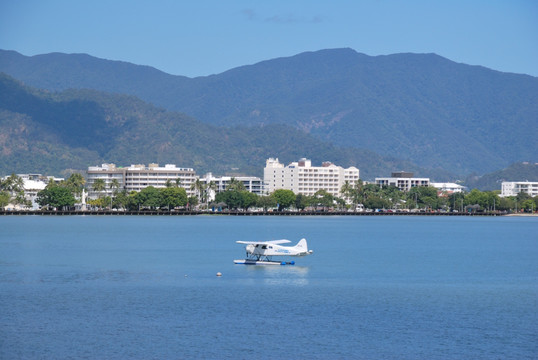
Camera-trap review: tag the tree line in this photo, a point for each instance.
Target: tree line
(353, 196)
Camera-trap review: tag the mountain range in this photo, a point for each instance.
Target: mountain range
(409, 108)
(62, 132)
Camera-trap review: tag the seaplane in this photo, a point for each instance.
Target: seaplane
(261, 252)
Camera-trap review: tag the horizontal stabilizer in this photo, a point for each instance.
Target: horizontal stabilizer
(283, 241)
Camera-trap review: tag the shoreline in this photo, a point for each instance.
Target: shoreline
(241, 213)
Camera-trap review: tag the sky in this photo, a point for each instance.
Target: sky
(204, 37)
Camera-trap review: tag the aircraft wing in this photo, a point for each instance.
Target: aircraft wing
(283, 241)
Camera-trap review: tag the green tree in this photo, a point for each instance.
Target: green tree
(375, 201)
(199, 189)
(302, 201)
(99, 185)
(172, 197)
(347, 191)
(4, 199)
(284, 198)
(423, 197)
(527, 204)
(455, 201)
(192, 201)
(114, 185)
(505, 204)
(266, 202)
(12, 184)
(476, 197)
(121, 200)
(149, 197)
(233, 199)
(248, 199)
(13, 189)
(75, 183)
(235, 185)
(55, 196)
(323, 198)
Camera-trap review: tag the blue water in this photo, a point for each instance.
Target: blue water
(375, 288)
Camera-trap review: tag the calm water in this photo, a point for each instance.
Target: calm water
(375, 288)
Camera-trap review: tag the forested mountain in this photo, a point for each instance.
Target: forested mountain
(419, 107)
(493, 181)
(51, 133)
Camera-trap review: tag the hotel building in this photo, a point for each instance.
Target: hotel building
(138, 177)
(303, 178)
(512, 188)
(402, 180)
(252, 184)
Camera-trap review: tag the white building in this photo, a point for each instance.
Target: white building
(252, 184)
(512, 188)
(448, 188)
(32, 184)
(403, 181)
(138, 177)
(303, 178)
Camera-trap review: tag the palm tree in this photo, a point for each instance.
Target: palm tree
(199, 188)
(359, 194)
(14, 188)
(13, 184)
(99, 185)
(75, 183)
(347, 192)
(235, 185)
(114, 186)
(210, 186)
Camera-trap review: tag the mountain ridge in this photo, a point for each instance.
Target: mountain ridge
(52, 133)
(423, 107)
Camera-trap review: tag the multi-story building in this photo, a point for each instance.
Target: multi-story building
(303, 178)
(512, 188)
(448, 188)
(251, 183)
(138, 177)
(32, 184)
(402, 180)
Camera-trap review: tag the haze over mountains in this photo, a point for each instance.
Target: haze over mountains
(422, 108)
(50, 132)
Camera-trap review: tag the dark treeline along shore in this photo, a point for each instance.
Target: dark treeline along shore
(248, 213)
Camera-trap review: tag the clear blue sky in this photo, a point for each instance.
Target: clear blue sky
(203, 37)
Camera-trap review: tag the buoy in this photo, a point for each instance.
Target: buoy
(219, 274)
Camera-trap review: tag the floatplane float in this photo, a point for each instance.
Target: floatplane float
(261, 252)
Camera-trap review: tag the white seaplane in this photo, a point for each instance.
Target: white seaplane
(261, 252)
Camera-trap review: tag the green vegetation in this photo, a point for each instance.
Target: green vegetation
(515, 172)
(52, 133)
(370, 196)
(55, 197)
(423, 107)
(12, 191)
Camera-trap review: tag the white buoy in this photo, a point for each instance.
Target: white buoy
(219, 274)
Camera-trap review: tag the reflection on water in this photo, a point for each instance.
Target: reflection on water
(278, 274)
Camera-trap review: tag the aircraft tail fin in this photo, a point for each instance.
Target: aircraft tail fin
(302, 244)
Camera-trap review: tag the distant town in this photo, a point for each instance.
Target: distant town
(298, 186)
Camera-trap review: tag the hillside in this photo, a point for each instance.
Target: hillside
(493, 181)
(420, 107)
(52, 133)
